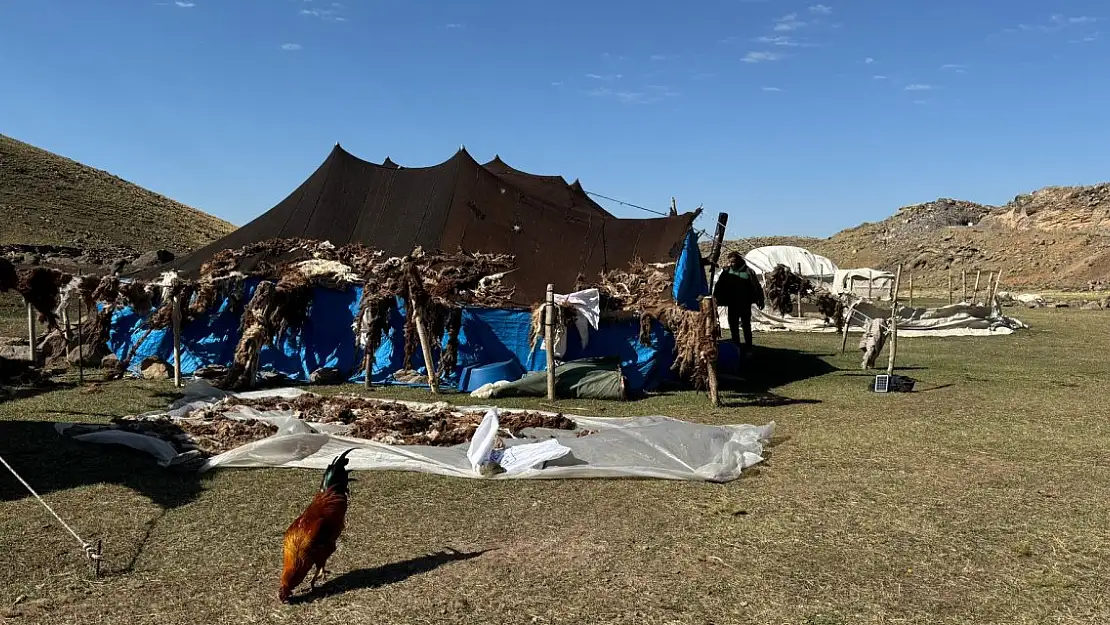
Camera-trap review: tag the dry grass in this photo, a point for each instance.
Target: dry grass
(982, 498)
(50, 199)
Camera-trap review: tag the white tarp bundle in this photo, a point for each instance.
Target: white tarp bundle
(765, 259)
(640, 447)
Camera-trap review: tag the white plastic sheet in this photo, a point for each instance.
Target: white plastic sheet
(946, 321)
(639, 447)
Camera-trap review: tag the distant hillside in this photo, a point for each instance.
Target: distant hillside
(52, 200)
(1057, 237)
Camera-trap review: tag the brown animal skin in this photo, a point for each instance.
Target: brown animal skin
(310, 539)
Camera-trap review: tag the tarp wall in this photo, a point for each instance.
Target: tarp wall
(327, 340)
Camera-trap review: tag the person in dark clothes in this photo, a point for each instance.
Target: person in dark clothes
(737, 289)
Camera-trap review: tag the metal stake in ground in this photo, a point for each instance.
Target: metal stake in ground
(549, 340)
(894, 322)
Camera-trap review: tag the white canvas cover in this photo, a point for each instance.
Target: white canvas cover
(640, 447)
(765, 259)
(864, 282)
(954, 320)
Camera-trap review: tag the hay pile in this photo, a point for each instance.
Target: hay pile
(211, 437)
(783, 287)
(641, 286)
(646, 290)
(392, 423)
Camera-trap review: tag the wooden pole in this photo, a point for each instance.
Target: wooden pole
(994, 292)
(368, 364)
(710, 316)
(426, 349)
(800, 292)
(949, 288)
(847, 322)
(975, 289)
(67, 325)
(870, 282)
(963, 286)
(549, 340)
(176, 340)
(911, 290)
(31, 334)
(80, 346)
(894, 322)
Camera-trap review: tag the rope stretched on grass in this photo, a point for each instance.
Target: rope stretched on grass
(92, 553)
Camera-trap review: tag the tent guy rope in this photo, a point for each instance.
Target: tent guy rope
(92, 553)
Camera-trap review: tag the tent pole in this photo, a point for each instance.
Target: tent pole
(800, 292)
(911, 290)
(847, 320)
(426, 348)
(894, 322)
(949, 288)
(963, 286)
(710, 316)
(549, 340)
(176, 341)
(975, 289)
(31, 334)
(80, 346)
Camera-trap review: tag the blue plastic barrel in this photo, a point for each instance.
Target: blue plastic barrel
(473, 378)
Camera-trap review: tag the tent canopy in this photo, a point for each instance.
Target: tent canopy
(765, 259)
(864, 282)
(555, 231)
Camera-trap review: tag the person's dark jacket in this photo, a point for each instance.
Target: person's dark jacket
(738, 287)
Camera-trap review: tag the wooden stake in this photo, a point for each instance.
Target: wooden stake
(549, 340)
(994, 293)
(949, 288)
(911, 290)
(963, 286)
(847, 322)
(368, 365)
(426, 348)
(80, 347)
(799, 292)
(31, 334)
(68, 327)
(894, 322)
(975, 289)
(176, 317)
(870, 281)
(710, 315)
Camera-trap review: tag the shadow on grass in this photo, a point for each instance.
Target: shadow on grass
(51, 462)
(385, 575)
(768, 368)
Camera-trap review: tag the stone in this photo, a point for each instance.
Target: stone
(156, 371)
(326, 375)
(154, 258)
(1092, 306)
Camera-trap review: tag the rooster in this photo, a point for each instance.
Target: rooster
(310, 539)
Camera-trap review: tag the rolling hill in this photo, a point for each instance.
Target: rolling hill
(48, 199)
(1056, 237)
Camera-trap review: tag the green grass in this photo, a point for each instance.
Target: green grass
(981, 498)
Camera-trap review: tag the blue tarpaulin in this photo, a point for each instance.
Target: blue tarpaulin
(327, 339)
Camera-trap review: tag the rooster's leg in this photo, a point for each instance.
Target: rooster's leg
(315, 575)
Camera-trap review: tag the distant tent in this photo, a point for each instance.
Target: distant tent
(555, 231)
(869, 283)
(765, 259)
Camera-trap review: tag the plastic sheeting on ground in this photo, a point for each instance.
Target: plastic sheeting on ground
(869, 283)
(638, 447)
(954, 320)
(327, 340)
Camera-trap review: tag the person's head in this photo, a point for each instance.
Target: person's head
(735, 260)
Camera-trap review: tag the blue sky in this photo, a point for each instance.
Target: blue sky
(794, 117)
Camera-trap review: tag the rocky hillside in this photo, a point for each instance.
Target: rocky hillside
(1057, 237)
(46, 199)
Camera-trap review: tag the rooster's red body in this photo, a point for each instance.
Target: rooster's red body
(310, 539)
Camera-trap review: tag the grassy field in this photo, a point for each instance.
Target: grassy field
(984, 497)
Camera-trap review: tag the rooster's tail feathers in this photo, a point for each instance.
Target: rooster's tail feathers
(335, 476)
